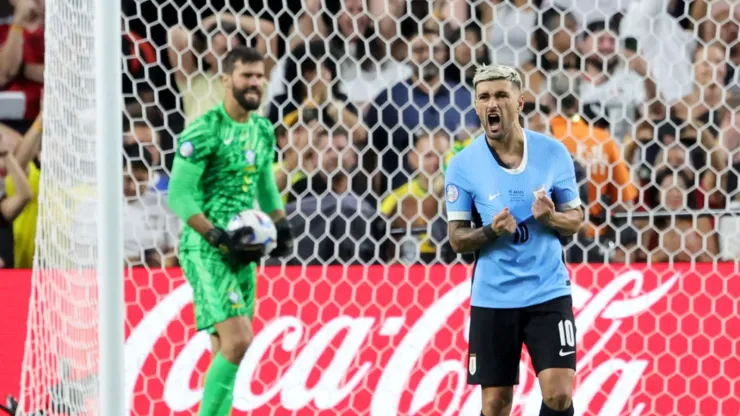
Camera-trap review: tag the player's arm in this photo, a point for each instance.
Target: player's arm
(11, 207)
(271, 202)
(196, 144)
(463, 238)
(193, 150)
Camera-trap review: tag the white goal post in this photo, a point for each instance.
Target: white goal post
(109, 106)
(370, 317)
(75, 344)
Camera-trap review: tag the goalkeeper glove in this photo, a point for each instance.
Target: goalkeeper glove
(234, 245)
(284, 238)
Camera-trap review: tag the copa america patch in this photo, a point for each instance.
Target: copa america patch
(452, 193)
(186, 149)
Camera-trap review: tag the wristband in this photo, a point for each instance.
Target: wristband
(16, 28)
(490, 234)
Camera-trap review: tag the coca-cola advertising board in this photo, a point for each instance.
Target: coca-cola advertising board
(380, 341)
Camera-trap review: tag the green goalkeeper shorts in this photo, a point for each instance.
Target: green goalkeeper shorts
(219, 292)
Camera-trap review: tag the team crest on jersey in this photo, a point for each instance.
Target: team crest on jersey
(452, 193)
(235, 300)
(233, 297)
(186, 149)
(472, 365)
(250, 157)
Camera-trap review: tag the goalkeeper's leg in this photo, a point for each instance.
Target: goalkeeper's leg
(235, 335)
(221, 309)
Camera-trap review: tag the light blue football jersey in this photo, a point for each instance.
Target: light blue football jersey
(526, 268)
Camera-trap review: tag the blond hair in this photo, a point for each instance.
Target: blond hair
(495, 72)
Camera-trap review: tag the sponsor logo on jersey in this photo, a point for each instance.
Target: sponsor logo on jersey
(186, 149)
(452, 193)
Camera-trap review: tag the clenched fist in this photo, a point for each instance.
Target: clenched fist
(504, 223)
(543, 208)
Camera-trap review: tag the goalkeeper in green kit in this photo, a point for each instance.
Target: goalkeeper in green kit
(223, 162)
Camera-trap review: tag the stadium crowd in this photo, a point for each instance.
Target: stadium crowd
(370, 99)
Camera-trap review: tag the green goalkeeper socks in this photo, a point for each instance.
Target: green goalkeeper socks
(219, 389)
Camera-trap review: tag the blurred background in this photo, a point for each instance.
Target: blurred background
(370, 98)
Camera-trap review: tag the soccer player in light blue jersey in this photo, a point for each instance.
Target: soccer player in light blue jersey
(518, 190)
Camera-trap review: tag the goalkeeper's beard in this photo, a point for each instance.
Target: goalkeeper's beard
(244, 102)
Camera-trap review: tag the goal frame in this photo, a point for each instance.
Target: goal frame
(108, 129)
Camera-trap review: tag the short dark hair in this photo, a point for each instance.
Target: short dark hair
(308, 57)
(611, 24)
(136, 156)
(243, 54)
(340, 131)
(280, 131)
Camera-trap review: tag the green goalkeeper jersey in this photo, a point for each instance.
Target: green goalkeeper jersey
(221, 166)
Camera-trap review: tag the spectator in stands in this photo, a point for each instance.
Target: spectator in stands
(311, 74)
(25, 149)
(614, 89)
(730, 139)
(358, 34)
(610, 186)
(338, 162)
(723, 25)
(700, 108)
(426, 100)
(661, 31)
(696, 119)
(22, 65)
(150, 230)
(418, 202)
(468, 51)
(535, 117)
(11, 206)
(552, 43)
(196, 56)
(507, 27)
(678, 235)
(141, 73)
(299, 148)
(334, 223)
(140, 132)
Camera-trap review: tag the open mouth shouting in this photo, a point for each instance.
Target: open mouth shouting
(494, 123)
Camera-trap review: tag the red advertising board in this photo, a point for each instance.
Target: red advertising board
(658, 340)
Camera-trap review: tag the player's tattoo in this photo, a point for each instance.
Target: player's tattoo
(465, 239)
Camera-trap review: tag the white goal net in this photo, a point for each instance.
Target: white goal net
(369, 100)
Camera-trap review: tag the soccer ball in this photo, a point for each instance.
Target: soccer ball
(264, 229)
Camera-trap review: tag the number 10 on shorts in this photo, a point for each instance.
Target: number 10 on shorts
(567, 335)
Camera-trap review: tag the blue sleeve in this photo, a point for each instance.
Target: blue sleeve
(458, 193)
(565, 188)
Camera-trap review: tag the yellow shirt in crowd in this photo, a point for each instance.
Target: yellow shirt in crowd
(24, 226)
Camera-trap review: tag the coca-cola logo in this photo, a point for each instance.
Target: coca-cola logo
(403, 365)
